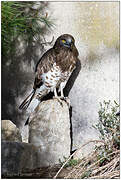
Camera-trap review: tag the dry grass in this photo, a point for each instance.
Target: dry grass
(91, 167)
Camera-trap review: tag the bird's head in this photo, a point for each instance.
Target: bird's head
(65, 40)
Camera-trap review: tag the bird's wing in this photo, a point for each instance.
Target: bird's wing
(43, 66)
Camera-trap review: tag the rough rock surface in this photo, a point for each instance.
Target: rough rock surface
(10, 132)
(49, 130)
(16, 156)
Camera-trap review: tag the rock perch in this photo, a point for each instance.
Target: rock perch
(49, 130)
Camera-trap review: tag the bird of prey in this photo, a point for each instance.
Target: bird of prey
(54, 69)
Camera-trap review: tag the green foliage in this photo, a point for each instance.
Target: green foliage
(71, 162)
(22, 19)
(109, 124)
(109, 128)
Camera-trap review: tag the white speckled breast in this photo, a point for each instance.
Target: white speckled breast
(52, 78)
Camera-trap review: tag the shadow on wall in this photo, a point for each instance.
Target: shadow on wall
(18, 74)
(16, 79)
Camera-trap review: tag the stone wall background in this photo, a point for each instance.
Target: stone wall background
(95, 27)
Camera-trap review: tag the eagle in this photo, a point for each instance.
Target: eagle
(53, 69)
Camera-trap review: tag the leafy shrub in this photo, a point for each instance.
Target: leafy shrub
(109, 128)
(104, 161)
(109, 124)
(71, 162)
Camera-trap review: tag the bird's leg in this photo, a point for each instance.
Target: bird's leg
(57, 97)
(55, 92)
(66, 99)
(60, 98)
(61, 88)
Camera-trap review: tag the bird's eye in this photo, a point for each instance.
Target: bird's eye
(63, 41)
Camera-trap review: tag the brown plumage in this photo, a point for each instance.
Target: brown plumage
(54, 69)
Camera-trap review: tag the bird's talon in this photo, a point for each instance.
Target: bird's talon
(59, 100)
(67, 100)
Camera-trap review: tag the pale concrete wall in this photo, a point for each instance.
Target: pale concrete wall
(95, 27)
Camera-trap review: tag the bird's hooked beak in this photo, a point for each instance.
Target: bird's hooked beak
(68, 43)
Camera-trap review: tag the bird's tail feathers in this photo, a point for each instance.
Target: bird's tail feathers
(24, 105)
